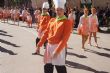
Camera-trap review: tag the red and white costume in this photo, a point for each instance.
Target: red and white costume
(93, 20)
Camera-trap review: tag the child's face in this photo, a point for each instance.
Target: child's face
(85, 11)
(44, 10)
(93, 11)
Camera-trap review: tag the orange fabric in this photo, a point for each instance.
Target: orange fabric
(57, 33)
(43, 22)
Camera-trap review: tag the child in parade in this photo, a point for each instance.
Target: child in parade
(38, 17)
(93, 20)
(83, 27)
(36, 14)
(44, 19)
(16, 15)
(29, 20)
(11, 13)
(1, 13)
(24, 14)
(57, 34)
(5, 14)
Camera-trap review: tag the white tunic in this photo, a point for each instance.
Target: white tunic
(60, 60)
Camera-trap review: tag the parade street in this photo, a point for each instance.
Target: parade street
(17, 43)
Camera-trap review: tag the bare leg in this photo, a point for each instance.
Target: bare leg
(31, 25)
(7, 19)
(14, 21)
(90, 35)
(86, 37)
(22, 19)
(4, 20)
(83, 41)
(95, 38)
(18, 21)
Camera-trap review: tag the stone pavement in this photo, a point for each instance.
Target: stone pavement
(17, 43)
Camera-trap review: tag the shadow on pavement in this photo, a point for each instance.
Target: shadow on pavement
(107, 49)
(5, 35)
(7, 51)
(79, 56)
(98, 53)
(12, 24)
(69, 48)
(24, 26)
(83, 67)
(3, 31)
(41, 55)
(27, 26)
(105, 31)
(8, 43)
(38, 54)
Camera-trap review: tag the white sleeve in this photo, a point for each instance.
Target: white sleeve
(97, 20)
(35, 12)
(90, 20)
(74, 16)
(69, 16)
(23, 12)
(80, 21)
